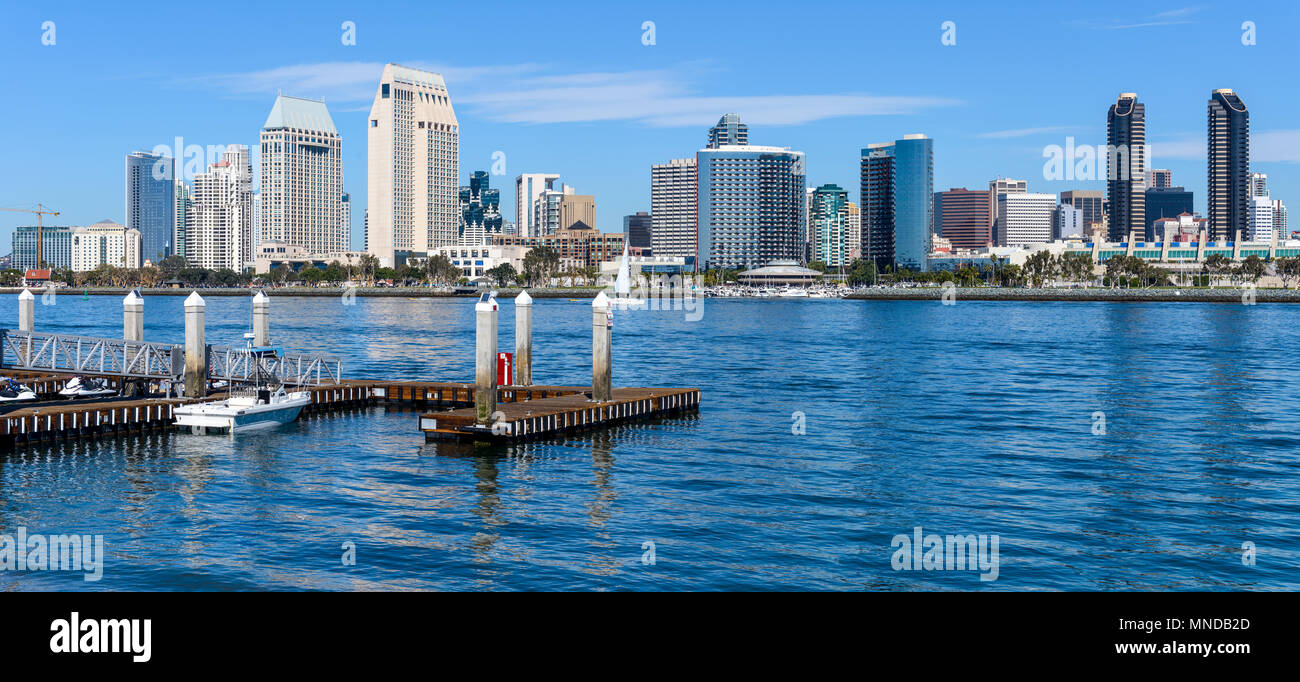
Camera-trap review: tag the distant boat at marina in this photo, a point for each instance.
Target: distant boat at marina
(622, 297)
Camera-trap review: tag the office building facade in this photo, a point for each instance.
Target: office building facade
(151, 202)
(962, 217)
(1227, 165)
(219, 223)
(897, 192)
(673, 210)
(1126, 139)
(750, 206)
(300, 200)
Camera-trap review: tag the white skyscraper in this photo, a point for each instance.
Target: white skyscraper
(1025, 219)
(672, 208)
(413, 174)
(1257, 185)
(1279, 220)
(301, 195)
(1069, 222)
(527, 188)
(1259, 219)
(219, 222)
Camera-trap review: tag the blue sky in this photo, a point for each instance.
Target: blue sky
(570, 88)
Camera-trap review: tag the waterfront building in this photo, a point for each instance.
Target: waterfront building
(577, 208)
(1227, 164)
(272, 254)
(1259, 223)
(1164, 202)
(1089, 201)
(728, 131)
(828, 217)
(300, 200)
(750, 206)
(673, 212)
(56, 247)
(151, 202)
(1126, 166)
(219, 223)
(105, 243)
(997, 188)
(528, 187)
(962, 217)
(781, 273)
(475, 261)
(480, 210)
(1069, 222)
(413, 149)
(649, 266)
(897, 190)
(583, 245)
(1025, 219)
(853, 231)
(637, 228)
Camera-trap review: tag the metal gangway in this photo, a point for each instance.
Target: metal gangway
(70, 353)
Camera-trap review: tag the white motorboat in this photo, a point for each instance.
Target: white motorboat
(793, 293)
(260, 405)
(87, 387)
(245, 410)
(13, 391)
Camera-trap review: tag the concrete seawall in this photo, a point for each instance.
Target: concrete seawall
(412, 292)
(1111, 295)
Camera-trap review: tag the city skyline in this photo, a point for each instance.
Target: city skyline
(975, 138)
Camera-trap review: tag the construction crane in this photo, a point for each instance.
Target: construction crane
(40, 229)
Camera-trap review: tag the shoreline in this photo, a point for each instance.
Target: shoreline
(1081, 295)
(323, 292)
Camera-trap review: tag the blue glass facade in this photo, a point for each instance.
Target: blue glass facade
(898, 202)
(151, 203)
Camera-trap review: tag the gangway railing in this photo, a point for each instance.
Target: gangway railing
(46, 352)
(302, 369)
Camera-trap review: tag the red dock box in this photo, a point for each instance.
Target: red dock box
(505, 369)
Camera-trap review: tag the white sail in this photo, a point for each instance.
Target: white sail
(623, 285)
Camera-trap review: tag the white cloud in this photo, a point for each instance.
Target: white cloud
(525, 93)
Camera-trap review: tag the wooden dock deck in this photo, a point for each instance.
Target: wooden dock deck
(525, 411)
(544, 417)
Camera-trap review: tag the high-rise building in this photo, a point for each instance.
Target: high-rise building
(1227, 165)
(1279, 220)
(105, 243)
(1260, 220)
(997, 188)
(1164, 202)
(151, 202)
(301, 193)
(56, 247)
(750, 206)
(638, 230)
(672, 208)
(1089, 201)
(828, 216)
(897, 188)
(728, 131)
(1025, 219)
(182, 194)
(527, 188)
(1069, 222)
(1257, 185)
(346, 221)
(480, 210)
(1126, 139)
(577, 208)
(219, 223)
(546, 210)
(853, 231)
(962, 217)
(1159, 178)
(413, 145)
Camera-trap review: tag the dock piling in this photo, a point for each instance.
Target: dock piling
(26, 311)
(133, 317)
(196, 360)
(485, 359)
(261, 319)
(602, 323)
(523, 339)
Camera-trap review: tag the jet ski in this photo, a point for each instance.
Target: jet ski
(12, 391)
(87, 387)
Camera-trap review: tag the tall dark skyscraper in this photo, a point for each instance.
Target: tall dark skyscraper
(1126, 135)
(728, 131)
(877, 205)
(1228, 165)
(637, 229)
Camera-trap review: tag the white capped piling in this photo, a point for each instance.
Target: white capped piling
(523, 339)
(485, 359)
(26, 311)
(196, 361)
(602, 324)
(261, 319)
(133, 317)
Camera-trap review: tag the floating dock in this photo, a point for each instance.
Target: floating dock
(546, 417)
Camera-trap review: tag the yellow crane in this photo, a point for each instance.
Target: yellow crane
(40, 229)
